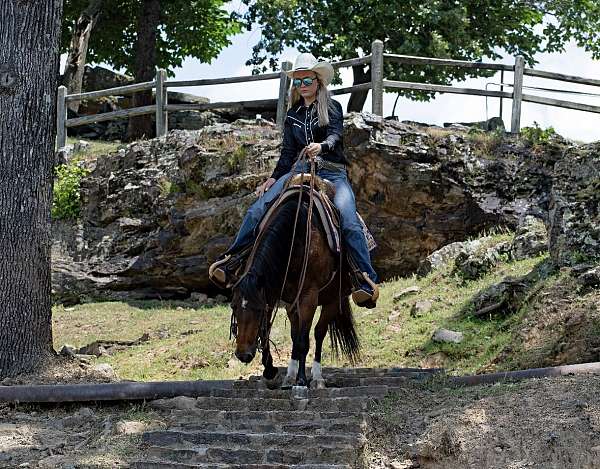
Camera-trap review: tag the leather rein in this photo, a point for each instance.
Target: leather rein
(263, 339)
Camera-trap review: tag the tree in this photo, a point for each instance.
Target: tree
(29, 63)
(137, 36)
(75, 66)
(469, 30)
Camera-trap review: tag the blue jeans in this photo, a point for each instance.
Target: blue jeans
(352, 234)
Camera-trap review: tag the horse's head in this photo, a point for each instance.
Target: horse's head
(249, 313)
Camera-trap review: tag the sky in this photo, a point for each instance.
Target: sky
(578, 125)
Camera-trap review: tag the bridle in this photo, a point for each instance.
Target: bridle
(266, 323)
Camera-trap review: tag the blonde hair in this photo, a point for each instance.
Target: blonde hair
(323, 101)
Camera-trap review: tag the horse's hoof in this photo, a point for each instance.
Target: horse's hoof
(288, 382)
(270, 374)
(301, 382)
(317, 384)
(274, 383)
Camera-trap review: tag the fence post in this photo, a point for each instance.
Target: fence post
(284, 84)
(515, 126)
(377, 77)
(61, 117)
(161, 103)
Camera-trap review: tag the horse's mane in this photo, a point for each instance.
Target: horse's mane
(264, 280)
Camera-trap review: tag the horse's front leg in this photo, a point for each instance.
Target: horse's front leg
(292, 369)
(270, 371)
(306, 312)
(328, 313)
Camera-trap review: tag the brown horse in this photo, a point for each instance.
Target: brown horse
(326, 283)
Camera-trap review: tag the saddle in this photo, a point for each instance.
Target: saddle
(323, 194)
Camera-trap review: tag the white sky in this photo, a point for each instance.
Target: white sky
(583, 126)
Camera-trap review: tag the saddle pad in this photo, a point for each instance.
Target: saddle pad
(328, 214)
(329, 220)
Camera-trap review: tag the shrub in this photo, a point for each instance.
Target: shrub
(66, 196)
(536, 135)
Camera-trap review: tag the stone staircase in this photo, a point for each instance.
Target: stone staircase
(244, 424)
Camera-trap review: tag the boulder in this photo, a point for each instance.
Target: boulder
(406, 292)
(531, 239)
(574, 214)
(420, 308)
(471, 265)
(446, 255)
(446, 335)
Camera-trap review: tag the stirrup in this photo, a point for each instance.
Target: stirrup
(363, 298)
(223, 271)
(217, 272)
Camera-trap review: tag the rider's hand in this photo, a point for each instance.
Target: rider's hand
(313, 150)
(260, 190)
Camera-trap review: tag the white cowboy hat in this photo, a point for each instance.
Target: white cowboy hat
(307, 61)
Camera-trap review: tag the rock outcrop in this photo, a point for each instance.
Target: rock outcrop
(575, 207)
(157, 212)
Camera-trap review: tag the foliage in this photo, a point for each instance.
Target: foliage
(469, 30)
(236, 158)
(536, 135)
(66, 199)
(168, 187)
(197, 29)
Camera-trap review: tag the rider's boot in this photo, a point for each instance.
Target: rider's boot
(365, 292)
(225, 268)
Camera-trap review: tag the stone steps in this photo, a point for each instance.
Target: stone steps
(337, 404)
(243, 424)
(315, 427)
(290, 455)
(175, 465)
(348, 380)
(264, 416)
(183, 439)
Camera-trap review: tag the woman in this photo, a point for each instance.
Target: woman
(315, 121)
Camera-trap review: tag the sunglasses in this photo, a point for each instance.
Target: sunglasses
(297, 82)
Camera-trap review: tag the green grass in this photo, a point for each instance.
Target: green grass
(193, 343)
(97, 147)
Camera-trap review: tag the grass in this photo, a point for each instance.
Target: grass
(188, 342)
(97, 147)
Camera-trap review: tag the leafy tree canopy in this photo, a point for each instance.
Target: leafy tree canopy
(197, 28)
(465, 29)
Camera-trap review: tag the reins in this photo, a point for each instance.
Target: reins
(266, 324)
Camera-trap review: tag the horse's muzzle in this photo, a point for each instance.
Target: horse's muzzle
(246, 356)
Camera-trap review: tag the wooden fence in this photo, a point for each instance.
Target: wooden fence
(377, 85)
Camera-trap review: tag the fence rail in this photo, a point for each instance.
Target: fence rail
(377, 85)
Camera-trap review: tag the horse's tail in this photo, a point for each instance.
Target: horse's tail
(343, 333)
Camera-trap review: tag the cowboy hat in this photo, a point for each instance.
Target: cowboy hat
(307, 61)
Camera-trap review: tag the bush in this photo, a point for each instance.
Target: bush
(66, 197)
(536, 135)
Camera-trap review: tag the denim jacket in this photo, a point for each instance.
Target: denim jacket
(301, 128)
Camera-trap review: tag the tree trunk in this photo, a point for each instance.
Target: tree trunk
(145, 66)
(29, 63)
(358, 98)
(73, 77)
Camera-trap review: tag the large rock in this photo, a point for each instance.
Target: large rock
(531, 239)
(420, 191)
(157, 212)
(575, 207)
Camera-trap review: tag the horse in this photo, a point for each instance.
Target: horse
(283, 267)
